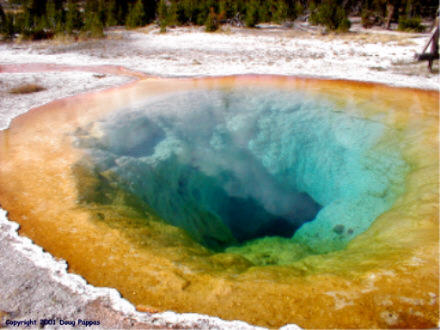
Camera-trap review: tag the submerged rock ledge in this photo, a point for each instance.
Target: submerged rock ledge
(75, 299)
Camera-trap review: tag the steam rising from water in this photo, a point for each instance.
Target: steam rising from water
(233, 165)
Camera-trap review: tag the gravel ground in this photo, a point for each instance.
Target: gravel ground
(56, 85)
(380, 56)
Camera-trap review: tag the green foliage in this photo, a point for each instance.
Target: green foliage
(212, 22)
(27, 20)
(379, 7)
(50, 14)
(410, 24)
(281, 12)
(188, 11)
(29, 24)
(96, 26)
(203, 12)
(172, 14)
(331, 15)
(73, 17)
(251, 18)
(264, 11)
(367, 19)
(52, 18)
(374, 13)
(184, 11)
(93, 25)
(227, 8)
(91, 6)
(102, 12)
(42, 18)
(136, 15)
(150, 10)
(111, 14)
(163, 16)
(7, 26)
(36, 7)
(167, 15)
(2, 20)
(299, 8)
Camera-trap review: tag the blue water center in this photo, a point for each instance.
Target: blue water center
(229, 166)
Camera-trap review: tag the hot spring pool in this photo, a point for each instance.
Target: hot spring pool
(271, 200)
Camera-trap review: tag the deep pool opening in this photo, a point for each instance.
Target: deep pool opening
(236, 168)
(245, 218)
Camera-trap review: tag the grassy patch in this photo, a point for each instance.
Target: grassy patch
(411, 24)
(415, 68)
(27, 89)
(372, 38)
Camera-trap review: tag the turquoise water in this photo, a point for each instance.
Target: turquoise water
(234, 166)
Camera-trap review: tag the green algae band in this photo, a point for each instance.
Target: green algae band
(272, 200)
(229, 166)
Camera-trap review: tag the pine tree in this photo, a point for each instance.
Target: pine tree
(121, 16)
(280, 14)
(150, 10)
(92, 6)
(9, 28)
(27, 21)
(61, 23)
(251, 18)
(172, 14)
(102, 11)
(73, 18)
(96, 26)
(49, 20)
(136, 15)
(264, 11)
(187, 11)
(110, 17)
(211, 23)
(36, 7)
(163, 16)
(226, 8)
(203, 12)
(331, 15)
(2, 17)
(93, 23)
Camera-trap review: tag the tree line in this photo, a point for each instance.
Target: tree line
(36, 19)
